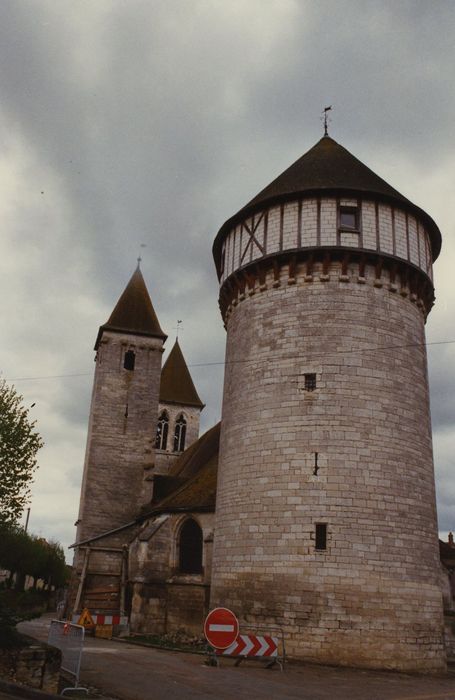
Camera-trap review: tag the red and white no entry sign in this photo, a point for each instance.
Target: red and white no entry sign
(221, 628)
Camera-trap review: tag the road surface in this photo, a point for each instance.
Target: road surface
(130, 672)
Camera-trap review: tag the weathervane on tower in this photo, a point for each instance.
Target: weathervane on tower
(326, 119)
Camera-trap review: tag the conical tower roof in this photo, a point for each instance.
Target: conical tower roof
(134, 313)
(327, 168)
(176, 383)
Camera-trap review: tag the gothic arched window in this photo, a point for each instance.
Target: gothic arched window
(180, 434)
(162, 431)
(190, 548)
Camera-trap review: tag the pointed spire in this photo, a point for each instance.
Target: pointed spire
(134, 313)
(176, 383)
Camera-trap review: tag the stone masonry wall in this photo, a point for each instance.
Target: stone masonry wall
(372, 597)
(165, 600)
(164, 459)
(120, 442)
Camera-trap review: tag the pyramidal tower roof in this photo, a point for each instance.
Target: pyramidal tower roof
(327, 168)
(176, 383)
(133, 313)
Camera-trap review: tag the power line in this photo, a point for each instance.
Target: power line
(324, 353)
(47, 376)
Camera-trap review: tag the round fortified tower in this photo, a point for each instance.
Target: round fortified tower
(326, 517)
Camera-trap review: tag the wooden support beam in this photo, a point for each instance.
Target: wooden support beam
(77, 602)
(123, 579)
(101, 549)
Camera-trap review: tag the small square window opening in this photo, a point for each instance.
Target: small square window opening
(349, 218)
(129, 360)
(320, 536)
(310, 382)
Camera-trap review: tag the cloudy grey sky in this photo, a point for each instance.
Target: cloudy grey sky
(128, 121)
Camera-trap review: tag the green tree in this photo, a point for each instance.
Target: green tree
(19, 443)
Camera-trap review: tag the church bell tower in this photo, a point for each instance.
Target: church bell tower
(123, 416)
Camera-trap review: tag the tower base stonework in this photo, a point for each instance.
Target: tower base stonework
(371, 598)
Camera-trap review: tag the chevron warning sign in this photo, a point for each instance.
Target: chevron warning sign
(251, 645)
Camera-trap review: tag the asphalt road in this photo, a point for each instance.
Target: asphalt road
(131, 672)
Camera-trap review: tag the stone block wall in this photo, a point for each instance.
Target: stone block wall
(164, 600)
(120, 444)
(36, 665)
(372, 596)
(121, 433)
(164, 459)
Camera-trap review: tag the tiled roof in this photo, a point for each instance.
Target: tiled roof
(134, 313)
(327, 168)
(447, 553)
(176, 383)
(197, 467)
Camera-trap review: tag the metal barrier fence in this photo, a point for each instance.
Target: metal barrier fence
(69, 638)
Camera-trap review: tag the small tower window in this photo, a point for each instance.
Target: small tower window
(349, 218)
(310, 382)
(320, 536)
(162, 431)
(180, 434)
(190, 548)
(129, 360)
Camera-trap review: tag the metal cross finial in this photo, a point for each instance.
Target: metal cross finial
(178, 328)
(139, 259)
(326, 119)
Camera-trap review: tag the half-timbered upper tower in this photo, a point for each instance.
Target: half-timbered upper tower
(326, 516)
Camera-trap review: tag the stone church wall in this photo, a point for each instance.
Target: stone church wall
(163, 599)
(164, 459)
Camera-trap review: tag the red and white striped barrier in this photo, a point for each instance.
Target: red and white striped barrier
(251, 645)
(105, 619)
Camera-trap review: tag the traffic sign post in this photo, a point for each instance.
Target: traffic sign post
(221, 628)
